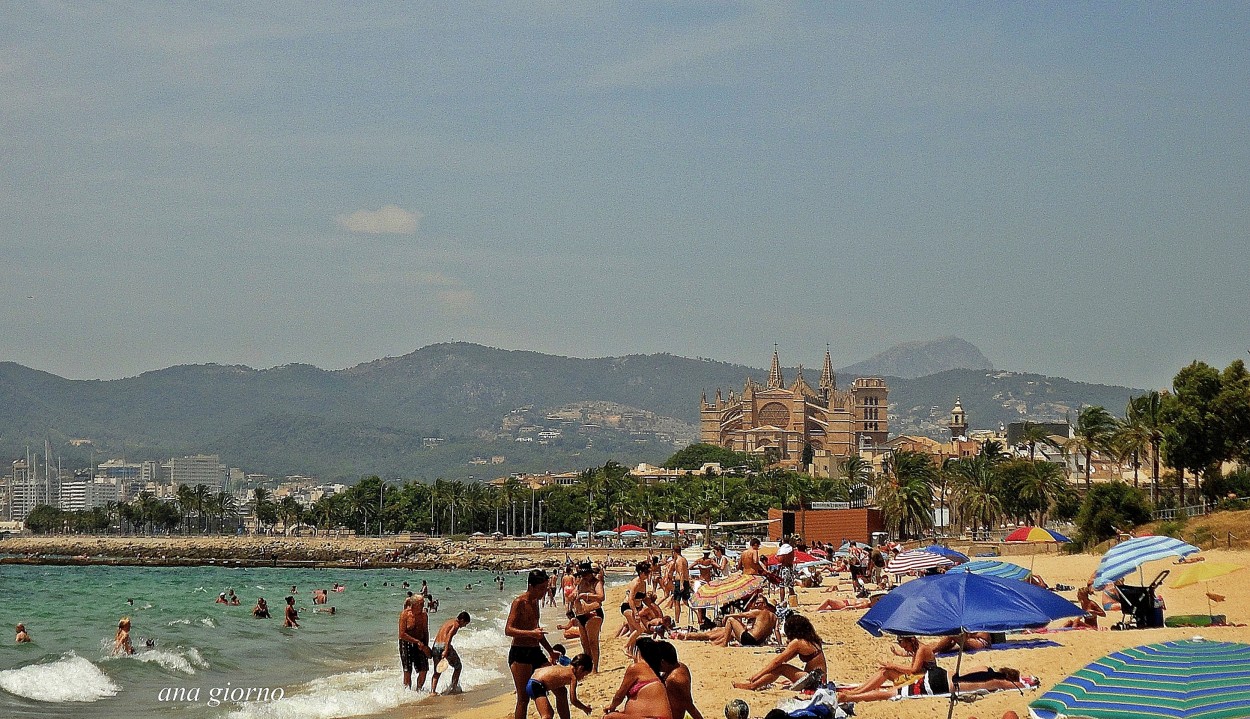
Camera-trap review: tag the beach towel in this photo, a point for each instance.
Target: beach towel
(821, 701)
(963, 696)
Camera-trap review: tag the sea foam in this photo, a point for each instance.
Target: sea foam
(69, 679)
(351, 694)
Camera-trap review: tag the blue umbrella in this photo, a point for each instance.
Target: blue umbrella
(1123, 558)
(662, 533)
(947, 604)
(605, 533)
(632, 534)
(954, 603)
(993, 568)
(947, 552)
(564, 535)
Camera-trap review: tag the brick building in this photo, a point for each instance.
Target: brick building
(827, 525)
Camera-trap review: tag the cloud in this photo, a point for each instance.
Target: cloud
(458, 300)
(389, 220)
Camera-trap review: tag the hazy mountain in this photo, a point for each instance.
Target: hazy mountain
(919, 359)
(456, 410)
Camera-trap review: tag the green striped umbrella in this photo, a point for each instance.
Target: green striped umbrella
(1194, 678)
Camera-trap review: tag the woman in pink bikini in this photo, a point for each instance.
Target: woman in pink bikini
(641, 685)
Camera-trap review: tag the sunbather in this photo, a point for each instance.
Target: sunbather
(805, 644)
(972, 642)
(923, 667)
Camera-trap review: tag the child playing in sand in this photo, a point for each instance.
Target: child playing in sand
(562, 681)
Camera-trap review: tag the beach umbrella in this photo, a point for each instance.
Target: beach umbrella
(955, 604)
(544, 535)
(662, 533)
(993, 568)
(951, 554)
(477, 534)
(605, 533)
(917, 560)
(632, 533)
(1035, 534)
(630, 528)
(820, 553)
(1123, 558)
(564, 535)
(800, 559)
(1190, 678)
(1205, 572)
(723, 591)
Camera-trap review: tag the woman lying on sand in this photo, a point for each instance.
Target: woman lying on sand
(805, 644)
(936, 682)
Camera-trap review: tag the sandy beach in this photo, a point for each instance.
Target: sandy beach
(853, 654)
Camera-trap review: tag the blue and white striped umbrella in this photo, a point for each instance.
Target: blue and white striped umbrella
(1123, 558)
(993, 568)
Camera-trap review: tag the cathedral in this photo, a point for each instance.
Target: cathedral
(780, 422)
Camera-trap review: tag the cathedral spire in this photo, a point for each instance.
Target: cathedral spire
(775, 380)
(826, 374)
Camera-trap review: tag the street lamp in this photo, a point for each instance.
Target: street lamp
(512, 520)
(541, 503)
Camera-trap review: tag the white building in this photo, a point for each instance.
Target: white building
(82, 494)
(197, 469)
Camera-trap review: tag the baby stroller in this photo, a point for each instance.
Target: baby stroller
(1139, 605)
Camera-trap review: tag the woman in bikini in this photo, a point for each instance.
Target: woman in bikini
(923, 667)
(641, 685)
(975, 679)
(588, 608)
(805, 644)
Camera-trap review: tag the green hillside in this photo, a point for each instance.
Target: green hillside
(449, 410)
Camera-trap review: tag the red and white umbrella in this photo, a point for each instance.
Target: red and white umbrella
(917, 560)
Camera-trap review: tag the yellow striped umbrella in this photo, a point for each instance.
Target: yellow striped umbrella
(724, 591)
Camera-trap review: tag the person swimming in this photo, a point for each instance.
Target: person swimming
(22, 636)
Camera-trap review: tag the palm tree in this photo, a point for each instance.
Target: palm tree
(202, 497)
(260, 498)
(905, 491)
(186, 502)
(1094, 429)
(289, 510)
(1146, 411)
(225, 505)
(975, 490)
(1041, 486)
(1034, 434)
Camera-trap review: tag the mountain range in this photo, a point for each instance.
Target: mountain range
(460, 410)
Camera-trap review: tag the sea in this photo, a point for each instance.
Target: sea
(209, 660)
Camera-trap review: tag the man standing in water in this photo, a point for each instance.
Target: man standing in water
(443, 649)
(528, 639)
(679, 575)
(414, 640)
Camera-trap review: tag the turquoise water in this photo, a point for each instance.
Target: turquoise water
(207, 654)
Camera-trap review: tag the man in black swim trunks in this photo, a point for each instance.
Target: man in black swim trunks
(414, 640)
(528, 639)
(679, 574)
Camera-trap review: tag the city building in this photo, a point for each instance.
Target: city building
(197, 469)
(81, 493)
(782, 423)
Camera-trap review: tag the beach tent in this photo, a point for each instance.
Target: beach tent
(1129, 555)
(1189, 678)
(955, 604)
(680, 526)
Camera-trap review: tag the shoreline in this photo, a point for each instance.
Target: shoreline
(298, 552)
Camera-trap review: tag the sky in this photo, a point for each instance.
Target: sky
(1065, 185)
